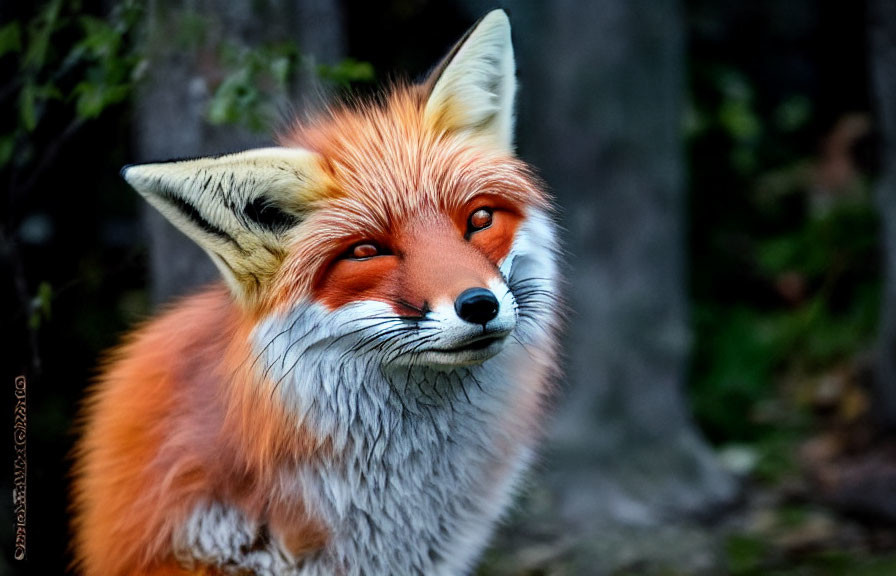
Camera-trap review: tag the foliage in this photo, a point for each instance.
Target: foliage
(41, 305)
(785, 272)
(346, 72)
(257, 76)
(64, 68)
(783, 550)
(743, 346)
(68, 64)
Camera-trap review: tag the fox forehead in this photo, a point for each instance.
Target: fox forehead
(385, 162)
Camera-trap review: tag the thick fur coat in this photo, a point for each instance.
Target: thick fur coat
(363, 392)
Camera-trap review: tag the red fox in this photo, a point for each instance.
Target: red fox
(362, 393)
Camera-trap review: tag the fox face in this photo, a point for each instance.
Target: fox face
(403, 213)
(422, 264)
(365, 397)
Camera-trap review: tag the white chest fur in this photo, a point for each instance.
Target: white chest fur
(422, 479)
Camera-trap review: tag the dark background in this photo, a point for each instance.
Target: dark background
(722, 174)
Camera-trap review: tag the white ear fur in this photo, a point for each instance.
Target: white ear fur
(475, 88)
(237, 207)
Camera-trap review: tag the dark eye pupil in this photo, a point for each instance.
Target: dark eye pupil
(366, 250)
(480, 219)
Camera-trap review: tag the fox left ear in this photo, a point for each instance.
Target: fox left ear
(240, 207)
(474, 86)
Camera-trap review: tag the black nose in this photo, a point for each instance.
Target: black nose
(476, 305)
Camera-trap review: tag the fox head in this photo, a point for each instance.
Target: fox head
(405, 228)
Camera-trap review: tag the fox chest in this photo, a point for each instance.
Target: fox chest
(420, 498)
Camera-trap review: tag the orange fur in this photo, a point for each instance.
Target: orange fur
(175, 421)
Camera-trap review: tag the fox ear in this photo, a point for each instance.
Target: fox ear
(239, 208)
(474, 86)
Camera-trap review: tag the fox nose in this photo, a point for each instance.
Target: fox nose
(476, 305)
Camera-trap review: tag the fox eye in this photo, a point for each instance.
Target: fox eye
(363, 251)
(479, 220)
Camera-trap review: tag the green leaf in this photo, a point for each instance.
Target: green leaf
(739, 120)
(279, 68)
(41, 305)
(235, 100)
(10, 38)
(191, 30)
(793, 114)
(48, 92)
(101, 40)
(7, 146)
(45, 298)
(346, 72)
(40, 32)
(745, 553)
(28, 106)
(93, 98)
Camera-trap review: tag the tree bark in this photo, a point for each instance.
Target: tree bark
(184, 68)
(600, 113)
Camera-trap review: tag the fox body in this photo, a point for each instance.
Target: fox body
(362, 393)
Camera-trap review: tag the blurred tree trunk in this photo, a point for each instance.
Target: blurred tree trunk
(184, 43)
(882, 23)
(602, 89)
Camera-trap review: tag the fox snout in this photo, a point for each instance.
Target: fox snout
(466, 306)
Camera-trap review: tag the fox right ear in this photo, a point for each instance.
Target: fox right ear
(473, 89)
(238, 207)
